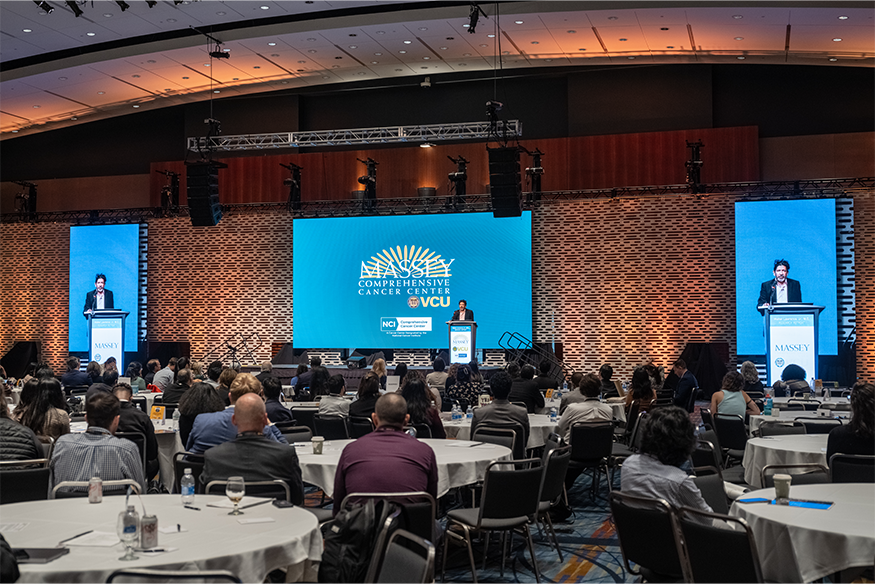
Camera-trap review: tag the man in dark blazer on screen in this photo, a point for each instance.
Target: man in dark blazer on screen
(780, 290)
(98, 298)
(463, 313)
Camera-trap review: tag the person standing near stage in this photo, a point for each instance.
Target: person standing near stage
(464, 313)
(98, 299)
(781, 290)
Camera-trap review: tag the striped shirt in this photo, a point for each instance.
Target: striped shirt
(645, 476)
(78, 457)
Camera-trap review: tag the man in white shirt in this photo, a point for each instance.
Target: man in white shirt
(334, 404)
(163, 379)
(591, 409)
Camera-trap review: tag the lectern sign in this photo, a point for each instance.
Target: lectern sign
(107, 333)
(461, 343)
(792, 338)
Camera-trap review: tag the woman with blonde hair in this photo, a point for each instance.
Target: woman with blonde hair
(379, 367)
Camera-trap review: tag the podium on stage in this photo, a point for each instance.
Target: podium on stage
(463, 340)
(106, 336)
(791, 337)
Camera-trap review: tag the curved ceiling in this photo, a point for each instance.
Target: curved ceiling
(57, 70)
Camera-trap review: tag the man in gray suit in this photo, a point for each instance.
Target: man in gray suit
(501, 412)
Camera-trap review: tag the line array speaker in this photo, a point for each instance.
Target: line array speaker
(504, 182)
(202, 190)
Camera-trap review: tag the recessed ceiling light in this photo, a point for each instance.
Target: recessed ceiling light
(423, 28)
(403, 52)
(426, 145)
(465, 25)
(423, 67)
(518, 21)
(571, 31)
(62, 78)
(136, 106)
(581, 49)
(612, 18)
(361, 73)
(107, 15)
(220, 13)
(90, 34)
(663, 28)
(492, 36)
(670, 47)
(74, 118)
(235, 79)
(353, 46)
(151, 61)
(505, 52)
(535, 43)
(624, 40)
(301, 62)
(740, 58)
(833, 59)
(26, 30)
(548, 60)
(14, 131)
(443, 48)
(381, 32)
(407, 42)
(326, 77)
(36, 107)
(206, 64)
(185, 77)
(374, 62)
(739, 38)
(451, 38)
(843, 17)
(484, 46)
(102, 92)
(836, 40)
(335, 66)
(271, 44)
(312, 40)
(274, 54)
(466, 54)
(631, 58)
(285, 82)
(135, 76)
(426, 58)
(171, 20)
(312, 51)
(257, 67)
(265, 7)
(737, 16)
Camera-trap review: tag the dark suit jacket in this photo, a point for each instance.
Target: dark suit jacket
(526, 391)
(89, 300)
(174, 393)
(255, 458)
(277, 412)
(794, 292)
(133, 420)
(501, 413)
(74, 378)
(469, 314)
(686, 385)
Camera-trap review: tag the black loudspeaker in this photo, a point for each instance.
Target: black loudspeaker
(202, 189)
(504, 182)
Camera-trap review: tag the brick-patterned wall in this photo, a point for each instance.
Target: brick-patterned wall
(626, 279)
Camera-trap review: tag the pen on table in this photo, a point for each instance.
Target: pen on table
(256, 504)
(75, 536)
(190, 507)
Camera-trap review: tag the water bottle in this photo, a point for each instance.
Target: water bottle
(186, 485)
(176, 420)
(811, 386)
(411, 431)
(469, 413)
(136, 389)
(554, 414)
(564, 387)
(767, 409)
(827, 393)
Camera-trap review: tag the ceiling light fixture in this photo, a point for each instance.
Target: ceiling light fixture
(517, 21)
(833, 59)
(837, 40)
(77, 12)
(87, 33)
(843, 17)
(737, 16)
(26, 30)
(740, 58)
(739, 38)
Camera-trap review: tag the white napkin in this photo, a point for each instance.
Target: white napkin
(256, 520)
(94, 539)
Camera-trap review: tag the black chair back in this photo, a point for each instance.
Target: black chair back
(274, 489)
(511, 490)
(422, 430)
(184, 460)
(297, 434)
(807, 404)
(806, 474)
(647, 534)
(731, 431)
(852, 468)
(707, 419)
(591, 442)
(24, 484)
(499, 434)
(781, 428)
(555, 467)
(815, 425)
(408, 558)
(703, 533)
(330, 427)
(304, 417)
(711, 487)
(138, 400)
(139, 439)
(359, 426)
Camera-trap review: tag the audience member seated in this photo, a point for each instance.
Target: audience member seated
(276, 411)
(731, 399)
(110, 365)
(305, 377)
(266, 371)
(226, 379)
(667, 442)
(465, 388)
(29, 393)
(135, 369)
(105, 385)
(163, 379)
(387, 460)
(685, 386)
(525, 389)
(858, 435)
(451, 378)
(251, 454)
(174, 393)
(641, 391)
(152, 367)
(657, 379)
(217, 428)
(73, 377)
(47, 414)
(17, 442)
(94, 372)
(792, 381)
(334, 404)
(608, 389)
(133, 420)
(591, 409)
(751, 377)
(96, 452)
(419, 407)
(319, 382)
(379, 367)
(544, 380)
(368, 394)
(434, 392)
(214, 370)
(438, 377)
(574, 396)
(501, 412)
(400, 372)
(200, 399)
(294, 382)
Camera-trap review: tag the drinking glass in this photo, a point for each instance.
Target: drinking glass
(235, 489)
(126, 527)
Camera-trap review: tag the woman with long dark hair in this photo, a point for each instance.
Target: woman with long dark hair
(29, 392)
(201, 398)
(368, 394)
(418, 399)
(641, 392)
(858, 435)
(319, 381)
(47, 414)
(134, 371)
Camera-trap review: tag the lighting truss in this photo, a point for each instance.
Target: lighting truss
(357, 136)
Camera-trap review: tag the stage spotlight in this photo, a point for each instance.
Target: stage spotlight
(370, 183)
(44, 6)
(151, 3)
(77, 12)
(122, 4)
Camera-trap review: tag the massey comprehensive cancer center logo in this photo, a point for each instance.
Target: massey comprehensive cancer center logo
(418, 274)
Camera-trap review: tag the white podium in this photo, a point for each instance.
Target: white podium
(791, 337)
(106, 336)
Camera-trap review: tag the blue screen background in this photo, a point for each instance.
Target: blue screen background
(106, 249)
(803, 232)
(491, 269)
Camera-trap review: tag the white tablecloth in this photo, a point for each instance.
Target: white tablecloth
(790, 449)
(540, 427)
(459, 462)
(790, 415)
(214, 540)
(804, 545)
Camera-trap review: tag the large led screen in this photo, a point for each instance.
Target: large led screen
(802, 232)
(393, 282)
(113, 251)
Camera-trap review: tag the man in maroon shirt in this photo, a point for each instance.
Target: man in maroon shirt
(387, 460)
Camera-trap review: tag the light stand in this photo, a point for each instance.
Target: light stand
(294, 184)
(370, 183)
(694, 167)
(534, 173)
(459, 179)
(170, 193)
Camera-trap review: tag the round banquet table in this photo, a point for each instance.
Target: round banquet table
(804, 545)
(789, 449)
(790, 415)
(214, 540)
(459, 462)
(540, 427)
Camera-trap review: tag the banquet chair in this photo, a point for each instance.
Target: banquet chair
(184, 460)
(756, 395)
(707, 418)
(509, 499)
(810, 474)
(400, 563)
(422, 430)
(304, 417)
(502, 436)
(297, 434)
(139, 400)
(818, 425)
(711, 487)
(778, 428)
(789, 407)
(19, 483)
(701, 534)
(275, 488)
(520, 404)
(330, 427)
(140, 574)
(555, 465)
(359, 426)
(807, 404)
(591, 447)
(709, 442)
(852, 468)
(58, 494)
(732, 434)
(646, 529)
(139, 439)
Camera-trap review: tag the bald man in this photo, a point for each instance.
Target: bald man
(251, 454)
